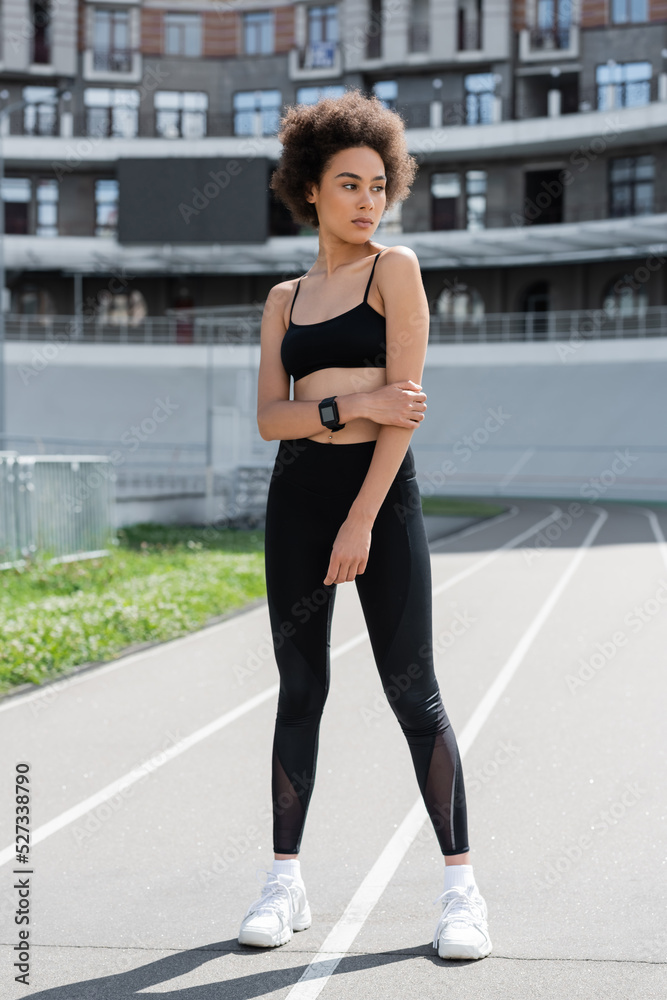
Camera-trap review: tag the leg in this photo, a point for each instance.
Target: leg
(396, 589)
(298, 540)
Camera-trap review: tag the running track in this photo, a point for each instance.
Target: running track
(151, 811)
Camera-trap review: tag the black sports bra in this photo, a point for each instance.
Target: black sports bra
(353, 339)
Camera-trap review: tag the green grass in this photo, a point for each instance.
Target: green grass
(461, 507)
(159, 582)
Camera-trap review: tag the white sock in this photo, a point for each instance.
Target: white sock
(289, 866)
(459, 876)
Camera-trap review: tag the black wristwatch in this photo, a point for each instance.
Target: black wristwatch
(329, 414)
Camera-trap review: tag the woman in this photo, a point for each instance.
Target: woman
(353, 511)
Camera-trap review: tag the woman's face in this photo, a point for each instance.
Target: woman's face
(352, 187)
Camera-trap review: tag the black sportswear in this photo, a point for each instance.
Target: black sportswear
(312, 488)
(353, 339)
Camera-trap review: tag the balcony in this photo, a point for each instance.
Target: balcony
(112, 60)
(319, 60)
(117, 65)
(549, 43)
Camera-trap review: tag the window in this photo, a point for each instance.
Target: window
(41, 38)
(480, 96)
(554, 18)
(111, 112)
(475, 199)
(623, 299)
(445, 193)
(322, 24)
(373, 30)
(624, 11)
(419, 33)
(47, 207)
(623, 85)
(543, 204)
(182, 34)
(111, 40)
(106, 207)
(16, 196)
(311, 95)
(631, 181)
(469, 25)
(180, 114)
(40, 113)
(256, 112)
(387, 93)
(460, 301)
(322, 37)
(258, 33)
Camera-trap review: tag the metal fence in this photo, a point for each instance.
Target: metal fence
(244, 327)
(60, 505)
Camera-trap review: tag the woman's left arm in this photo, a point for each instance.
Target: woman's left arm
(407, 324)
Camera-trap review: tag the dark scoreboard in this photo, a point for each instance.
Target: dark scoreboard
(222, 199)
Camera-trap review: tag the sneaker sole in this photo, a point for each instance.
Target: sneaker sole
(453, 949)
(264, 939)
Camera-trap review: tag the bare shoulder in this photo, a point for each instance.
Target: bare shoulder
(398, 267)
(398, 261)
(277, 302)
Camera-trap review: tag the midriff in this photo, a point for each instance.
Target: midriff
(340, 382)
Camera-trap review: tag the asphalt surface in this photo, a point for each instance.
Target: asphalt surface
(150, 791)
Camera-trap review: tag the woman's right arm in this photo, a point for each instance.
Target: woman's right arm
(282, 418)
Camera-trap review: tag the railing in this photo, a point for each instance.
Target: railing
(595, 324)
(113, 60)
(55, 503)
(576, 325)
(318, 55)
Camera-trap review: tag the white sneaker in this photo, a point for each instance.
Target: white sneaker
(281, 908)
(462, 931)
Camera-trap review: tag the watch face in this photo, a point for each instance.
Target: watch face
(327, 412)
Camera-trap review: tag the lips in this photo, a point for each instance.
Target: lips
(368, 222)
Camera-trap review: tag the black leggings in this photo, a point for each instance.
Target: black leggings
(311, 490)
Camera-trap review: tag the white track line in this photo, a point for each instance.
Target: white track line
(140, 772)
(58, 822)
(657, 531)
(340, 938)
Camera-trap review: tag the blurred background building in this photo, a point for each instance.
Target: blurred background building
(142, 237)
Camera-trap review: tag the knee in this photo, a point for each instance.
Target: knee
(301, 704)
(417, 710)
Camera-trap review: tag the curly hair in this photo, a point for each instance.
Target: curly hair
(312, 134)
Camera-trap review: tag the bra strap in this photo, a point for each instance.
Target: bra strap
(298, 284)
(372, 269)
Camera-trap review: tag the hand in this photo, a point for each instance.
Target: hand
(402, 404)
(349, 554)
